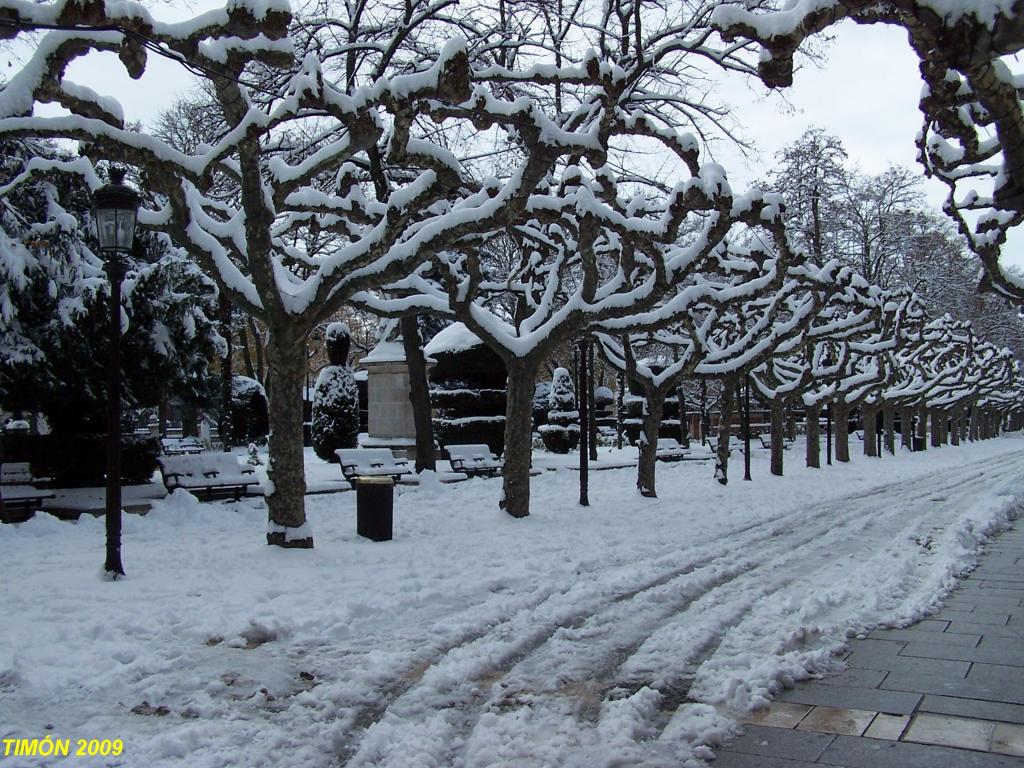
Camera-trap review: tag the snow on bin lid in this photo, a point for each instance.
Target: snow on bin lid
(374, 480)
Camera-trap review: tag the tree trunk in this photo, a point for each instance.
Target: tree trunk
(705, 416)
(974, 427)
(224, 427)
(935, 417)
(813, 436)
(871, 430)
(585, 402)
(778, 426)
(648, 443)
(286, 471)
(243, 345)
(791, 425)
(591, 397)
(954, 425)
(922, 426)
(419, 393)
(841, 428)
(684, 422)
(889, 427)
(907, 428)
(724, 433)
(515, 492)
(189, 420)
(620, 394)
(745, 424)
(163, 412)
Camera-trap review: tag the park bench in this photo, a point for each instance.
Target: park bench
(16, 473)
(370, 462)
(20, 502)
(175, 446)
(766, 442)
(669, 449)
(20, 497)
(207, 475)
(713, 443)
(474, 460)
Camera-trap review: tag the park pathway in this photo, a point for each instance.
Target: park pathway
(947, 691)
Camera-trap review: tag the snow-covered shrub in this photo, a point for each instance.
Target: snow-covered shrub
(253, 456)
(562, 432)
(249, 410)
(467, 389)
(335, 398)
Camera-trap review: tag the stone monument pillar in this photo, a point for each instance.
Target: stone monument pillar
(389, 419)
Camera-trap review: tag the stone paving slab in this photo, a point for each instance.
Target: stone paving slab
(912, 635)
(976, 708)
(945, 686)
(988, 654)
(946, 692)
(878, 700)
(854, 752)
(987, 630)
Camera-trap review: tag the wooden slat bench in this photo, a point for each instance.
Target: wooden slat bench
(20, 502)
(370, 462)
(175, 446)
(207, 475)
(16, 473)
(669, 449)
(474, 460)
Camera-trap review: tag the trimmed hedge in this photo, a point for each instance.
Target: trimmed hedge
(79, 461)
(467, 391)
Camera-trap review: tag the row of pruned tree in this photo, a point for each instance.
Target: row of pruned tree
(474, 161)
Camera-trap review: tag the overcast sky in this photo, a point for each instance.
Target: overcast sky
(866, 94)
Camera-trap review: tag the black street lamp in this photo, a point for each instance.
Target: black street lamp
(116, 206)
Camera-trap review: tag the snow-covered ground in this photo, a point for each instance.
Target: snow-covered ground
(577, 637)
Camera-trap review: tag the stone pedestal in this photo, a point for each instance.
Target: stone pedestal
(390, 421)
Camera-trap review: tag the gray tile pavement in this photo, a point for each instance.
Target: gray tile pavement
(956, 679)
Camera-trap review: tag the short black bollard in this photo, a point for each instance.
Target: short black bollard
(375, 507)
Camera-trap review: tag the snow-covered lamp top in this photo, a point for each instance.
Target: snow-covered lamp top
(116, 206)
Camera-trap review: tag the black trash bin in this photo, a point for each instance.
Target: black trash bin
(918, 444)
(375, 504)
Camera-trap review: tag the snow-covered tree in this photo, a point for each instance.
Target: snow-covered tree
(973, 133)
(54, 310)
(335, 397)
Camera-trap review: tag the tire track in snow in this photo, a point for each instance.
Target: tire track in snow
(519, 638)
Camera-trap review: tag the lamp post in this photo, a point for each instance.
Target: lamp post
(116, 206)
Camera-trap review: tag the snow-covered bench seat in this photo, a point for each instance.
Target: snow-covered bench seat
(669, 449)
(175, 446)
(370, 462)
(474, 459)
(16, 473)
(20, 502)
(207, 475)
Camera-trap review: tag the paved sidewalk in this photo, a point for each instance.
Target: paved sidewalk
(947, 691)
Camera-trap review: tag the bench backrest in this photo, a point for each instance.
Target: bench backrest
(198, 465)
(370, 458)
(669, 443)
(16, 473)
(469, 451)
